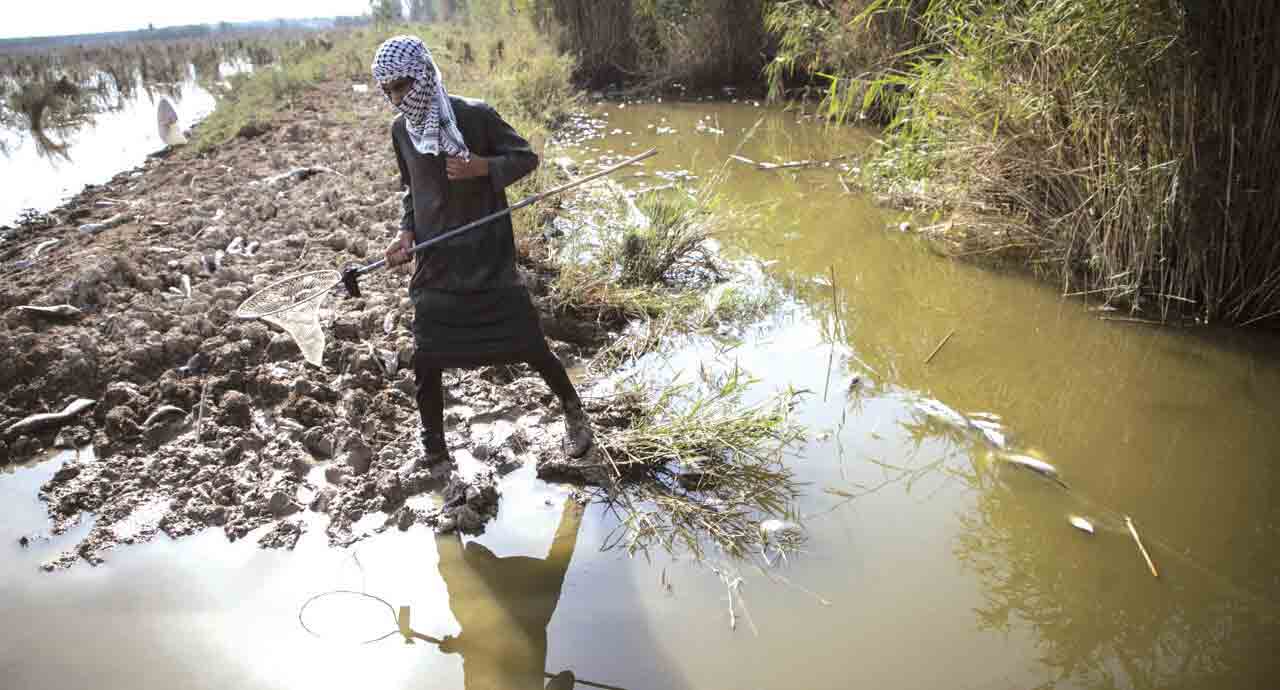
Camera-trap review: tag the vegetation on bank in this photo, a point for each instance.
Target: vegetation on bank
(1125, 150)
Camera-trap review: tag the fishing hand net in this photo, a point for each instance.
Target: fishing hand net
(293, 304)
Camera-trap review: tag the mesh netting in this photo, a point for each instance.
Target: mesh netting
(293, 304)
(288, 293)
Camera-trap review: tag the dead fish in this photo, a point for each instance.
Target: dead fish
(941, 412)
(186, 285)
(991, 431)
(35, 253)
(1036, 465)
(236, 246)
(251, 248)
(95, 228)
(1080, 523)
(162, 412)
(61, 311)
(37, 421)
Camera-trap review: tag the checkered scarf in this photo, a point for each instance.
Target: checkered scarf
(428, 115)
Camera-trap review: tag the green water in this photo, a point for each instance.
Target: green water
(945, 570)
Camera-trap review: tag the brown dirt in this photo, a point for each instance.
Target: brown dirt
(279, 440)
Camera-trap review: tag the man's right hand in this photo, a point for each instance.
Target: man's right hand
(397, 253)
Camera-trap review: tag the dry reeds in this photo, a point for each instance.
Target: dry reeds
(1126, 150)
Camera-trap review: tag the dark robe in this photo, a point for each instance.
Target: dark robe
(470, 306)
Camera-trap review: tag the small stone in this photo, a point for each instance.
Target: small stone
(282, 504)
(357, 454)
(70, 470)
(318, 442)
(237, 409)
(337, 474)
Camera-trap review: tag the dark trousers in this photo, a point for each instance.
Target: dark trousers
(430, 381)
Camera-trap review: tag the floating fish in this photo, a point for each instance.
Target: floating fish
(1080, 523)
(1036, 465)
(37, 421)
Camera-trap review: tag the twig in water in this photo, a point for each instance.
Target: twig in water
(938, 349)
(1134, 531)
(835, 311)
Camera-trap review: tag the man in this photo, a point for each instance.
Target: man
(456, 158)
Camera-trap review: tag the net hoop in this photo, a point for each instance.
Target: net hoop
(288, 293)
(395, 629)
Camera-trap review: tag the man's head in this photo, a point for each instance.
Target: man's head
(403, 68)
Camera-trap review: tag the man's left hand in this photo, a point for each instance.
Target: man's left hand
(459, 169)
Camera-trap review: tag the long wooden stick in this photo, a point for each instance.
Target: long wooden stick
(938, 349)
(1134, 531)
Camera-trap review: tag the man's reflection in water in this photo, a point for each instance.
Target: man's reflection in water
(504, 606)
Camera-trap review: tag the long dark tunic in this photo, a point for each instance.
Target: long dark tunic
(470, 306)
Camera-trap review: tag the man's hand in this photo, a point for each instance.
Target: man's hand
(459, 169)
(397, 253)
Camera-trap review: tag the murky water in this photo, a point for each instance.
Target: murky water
(945, 569)
(118, 139)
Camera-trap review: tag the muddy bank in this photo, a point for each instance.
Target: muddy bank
(200, 419)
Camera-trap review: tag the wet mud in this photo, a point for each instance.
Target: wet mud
(202, 420)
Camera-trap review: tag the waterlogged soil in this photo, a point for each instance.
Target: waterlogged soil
(203, 420)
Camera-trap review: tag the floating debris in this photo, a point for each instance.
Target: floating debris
(1146, 556)
(60, 311)
(1080, 523)
(39, 421)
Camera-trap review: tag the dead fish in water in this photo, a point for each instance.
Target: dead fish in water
(1080, 523)
(61, 311)
(941, 412)
(1034, 464)
(236, 246)
(37, 421)
(163, 412)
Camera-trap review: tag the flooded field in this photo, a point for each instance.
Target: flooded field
(938, 553)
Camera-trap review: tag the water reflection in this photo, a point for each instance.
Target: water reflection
(504, 605)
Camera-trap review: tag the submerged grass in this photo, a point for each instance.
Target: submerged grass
(698, 466)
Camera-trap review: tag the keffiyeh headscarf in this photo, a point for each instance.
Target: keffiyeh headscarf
(427, 112)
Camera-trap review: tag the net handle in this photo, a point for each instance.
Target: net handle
(520, 204)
